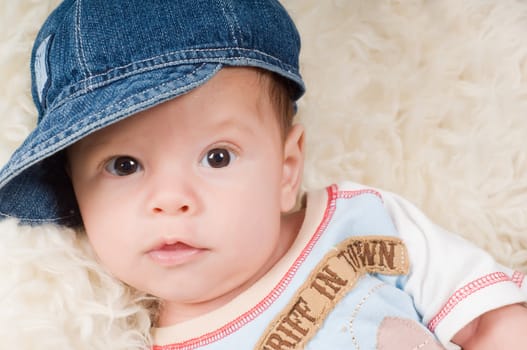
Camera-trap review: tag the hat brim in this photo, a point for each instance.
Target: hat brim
(25, 176)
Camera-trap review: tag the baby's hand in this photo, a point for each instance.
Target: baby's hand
(503, 328)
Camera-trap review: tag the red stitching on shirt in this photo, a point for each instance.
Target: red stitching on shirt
(355, 193)
(518, 277)
(464, 292)
(270, 298)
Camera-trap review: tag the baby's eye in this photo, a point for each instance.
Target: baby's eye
(218, 158)
(122, 166)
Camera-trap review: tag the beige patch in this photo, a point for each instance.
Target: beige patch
(332, 278)
(403, 334)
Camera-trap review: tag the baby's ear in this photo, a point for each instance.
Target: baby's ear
(293, 166)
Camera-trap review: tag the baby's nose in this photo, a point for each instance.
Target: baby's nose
(170, 209)
(172, 195)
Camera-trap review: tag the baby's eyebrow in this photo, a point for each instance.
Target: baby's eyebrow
(92, 145)
(234, 124)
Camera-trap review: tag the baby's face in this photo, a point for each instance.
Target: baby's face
(184, 200)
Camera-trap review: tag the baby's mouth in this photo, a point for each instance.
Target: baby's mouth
(174, 254)
(175, 246)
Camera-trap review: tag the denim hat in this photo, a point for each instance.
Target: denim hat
(96, 62)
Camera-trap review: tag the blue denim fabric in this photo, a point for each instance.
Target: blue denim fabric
(96, 62)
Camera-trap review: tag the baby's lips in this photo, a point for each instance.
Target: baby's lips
(174, 246)
(171, 254)
(171, 243)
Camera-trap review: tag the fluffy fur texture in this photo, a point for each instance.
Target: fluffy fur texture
(424, 98)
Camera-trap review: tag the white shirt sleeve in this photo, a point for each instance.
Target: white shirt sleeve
(451, 280)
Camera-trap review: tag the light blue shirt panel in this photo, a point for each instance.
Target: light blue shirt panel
(355, 321)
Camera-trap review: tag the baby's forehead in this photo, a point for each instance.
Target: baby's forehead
(229, 99)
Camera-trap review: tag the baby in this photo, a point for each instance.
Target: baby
(165, 133)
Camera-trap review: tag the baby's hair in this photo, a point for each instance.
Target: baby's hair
(281, 95)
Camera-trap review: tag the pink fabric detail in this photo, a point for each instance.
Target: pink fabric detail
(464, 292)
(518, 277)
(355, 193)
(250, 315)
(401, 334)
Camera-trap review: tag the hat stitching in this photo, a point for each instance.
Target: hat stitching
(80, 49)
(228, 18)
(36, 220)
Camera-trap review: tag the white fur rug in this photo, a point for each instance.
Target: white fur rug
(424, 98)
